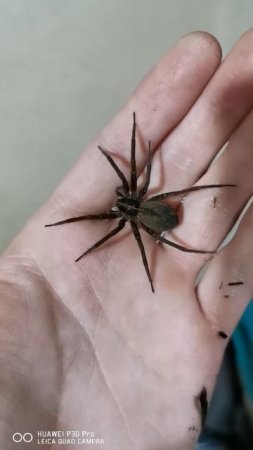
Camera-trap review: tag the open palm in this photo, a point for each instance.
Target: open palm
(87, 346)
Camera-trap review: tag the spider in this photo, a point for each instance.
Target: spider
(151, 214)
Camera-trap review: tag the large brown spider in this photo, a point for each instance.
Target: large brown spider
(153, 215)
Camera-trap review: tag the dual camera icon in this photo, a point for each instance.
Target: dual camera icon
(19, 437)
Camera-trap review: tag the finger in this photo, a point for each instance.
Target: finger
(206, 223)
(160, 102)
(222, 299)
(225, 101)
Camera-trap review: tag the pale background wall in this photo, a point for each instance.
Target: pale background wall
(66, 66)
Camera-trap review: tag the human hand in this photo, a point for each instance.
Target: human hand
(87, 345)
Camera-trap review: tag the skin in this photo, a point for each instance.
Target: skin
(87, 345)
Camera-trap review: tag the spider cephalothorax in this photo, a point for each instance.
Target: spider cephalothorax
(151, 214)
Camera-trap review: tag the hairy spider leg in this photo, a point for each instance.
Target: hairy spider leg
(185, 191)
(133, 185)
(108, 236)
(145, 187)
(137, 236)
(103, 216)
(120, 174)
(173, 244)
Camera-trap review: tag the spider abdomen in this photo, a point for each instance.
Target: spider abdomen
(157, 216)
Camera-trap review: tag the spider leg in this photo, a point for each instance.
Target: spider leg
(133, 161)
(116, 168)
(173, 244)
(142, 250)
(144, 189)
(185, 191)
(112, 233)
(183, 249)
(103, 216)
(118, 191)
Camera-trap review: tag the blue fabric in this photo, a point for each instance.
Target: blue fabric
(229, 424)
(243, 344)
(242, 340)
